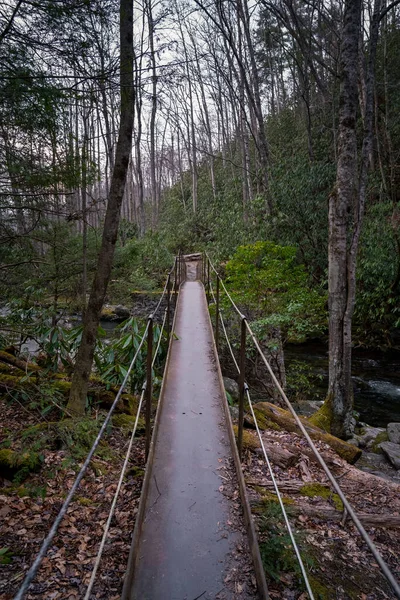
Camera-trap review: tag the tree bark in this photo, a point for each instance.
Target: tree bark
(346, 212)
(84, 360)
(341, 201)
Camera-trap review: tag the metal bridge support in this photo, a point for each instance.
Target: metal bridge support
(242, 364)
(149, 383)
(217, 316)
(208, 280)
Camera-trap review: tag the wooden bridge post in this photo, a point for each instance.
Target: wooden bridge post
(149, 383)
(176, 280)
(168, 306)
(208, 280)
(242, 363)
(217, 316)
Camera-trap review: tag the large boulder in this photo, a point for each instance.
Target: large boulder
(232, 388)
(306, 408)
(122, 311)
(392, 451)
(393, 431)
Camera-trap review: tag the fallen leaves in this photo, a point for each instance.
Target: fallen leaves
(66, 570)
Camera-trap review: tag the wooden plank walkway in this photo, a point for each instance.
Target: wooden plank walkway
(187, 547)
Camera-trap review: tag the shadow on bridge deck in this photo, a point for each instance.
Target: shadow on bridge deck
(186, 547)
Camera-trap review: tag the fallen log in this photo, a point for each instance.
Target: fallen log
(270, 416)
(279, 456)
(23, 365)
(323, 513)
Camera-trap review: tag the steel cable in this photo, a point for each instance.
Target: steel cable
(50, 536)
(282, 506)
(165, 288)
(384, 567)
(239, 312)
(124, 467)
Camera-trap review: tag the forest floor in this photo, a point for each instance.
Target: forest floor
(28, 508)
(339, 564)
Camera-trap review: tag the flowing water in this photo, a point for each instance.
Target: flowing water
(376, 379)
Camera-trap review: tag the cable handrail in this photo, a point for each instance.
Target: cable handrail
(49, 538)
(31, 574)
(124, 467)
(165, 287)
(277, 491)
(239, 312)
(378, 557)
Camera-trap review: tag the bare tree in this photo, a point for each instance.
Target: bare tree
(84, 359)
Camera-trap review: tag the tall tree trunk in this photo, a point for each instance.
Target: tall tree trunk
(346, 211)
(154, 195)
(84, 360)
(341, 202)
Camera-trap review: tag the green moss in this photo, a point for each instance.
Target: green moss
(135, 472)
(320, 590)
(84, 501)
(317, 489)
(381, 437)
(323, 417)
(108, 312)
(17, 466)
(127, 422)
(337, 502)
(264, 422)
(267, 497)
(250, 441)
(130, 404)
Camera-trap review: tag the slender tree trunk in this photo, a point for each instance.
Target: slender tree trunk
(154, 196)
(84, 360)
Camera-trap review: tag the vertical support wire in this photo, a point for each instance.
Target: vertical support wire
(168, 307)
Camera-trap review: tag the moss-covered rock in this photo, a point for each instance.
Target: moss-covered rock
(381, 437)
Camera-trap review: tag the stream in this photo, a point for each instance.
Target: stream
(375, 374)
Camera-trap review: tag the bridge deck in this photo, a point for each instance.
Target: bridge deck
(186, 547)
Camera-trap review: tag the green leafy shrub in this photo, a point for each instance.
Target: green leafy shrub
(267, 278)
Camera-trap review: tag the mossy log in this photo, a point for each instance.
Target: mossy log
(279, 456)
(97, 390)
(267, 414)
(325, 513)
(23, 365)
